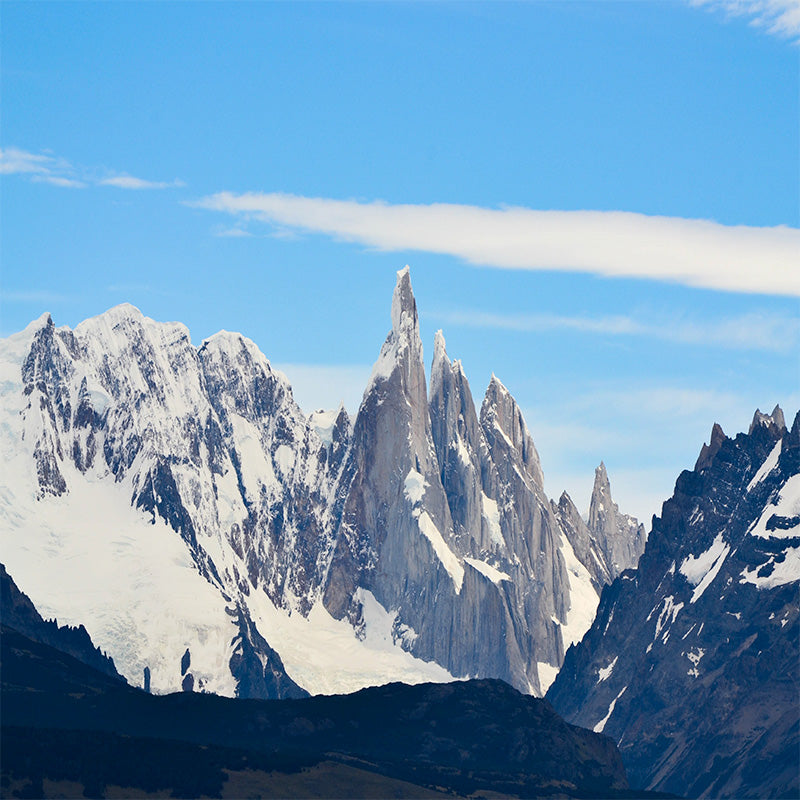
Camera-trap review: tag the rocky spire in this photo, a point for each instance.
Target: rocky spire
(461, 452)
(504, 427)
(620, 536)
(396, 512)
(708, 451)
(773, 420)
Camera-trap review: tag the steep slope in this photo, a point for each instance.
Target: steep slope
(691, 665)
(446, 526)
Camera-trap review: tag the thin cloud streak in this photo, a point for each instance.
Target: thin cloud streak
(696, 253)
(130, 182)
(755, 331)
(59, 180)
(35, 296)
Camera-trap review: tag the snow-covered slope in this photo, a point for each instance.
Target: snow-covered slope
(176, 500)
(172, 499)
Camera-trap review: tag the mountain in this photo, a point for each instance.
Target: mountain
(70, 730)
(692, 664)
(177, 502)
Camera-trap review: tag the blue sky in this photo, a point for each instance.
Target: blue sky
(267, 167)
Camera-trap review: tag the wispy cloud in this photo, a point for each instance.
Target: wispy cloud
(647, 434)
(778, 17)
(692, 252)
(130, 182)
(13, 160)
(754, 331)
(59, 180)
(233, 233)
(47, 168)
(35, 296)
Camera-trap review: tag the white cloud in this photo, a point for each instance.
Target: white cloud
(131, 182)
(46, 168)
(317, 386)
(692, 252)
(779, 17)
(754, 331)
(233, 233)
(40, 167)
(59, 180)
(13, 160)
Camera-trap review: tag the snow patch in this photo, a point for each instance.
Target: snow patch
(583, 599)
(284, 458)
(701, 570)
(491, 514)
(492, 573)
(785, 571)
(787, 504)
(694, 656)
(448, 558)
(547, 674)
(604, 673)
(414, 486)
(770, 462)
(323, 423)
(600, 726)
(667, 617)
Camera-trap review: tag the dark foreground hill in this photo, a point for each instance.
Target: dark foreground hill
(69, 730)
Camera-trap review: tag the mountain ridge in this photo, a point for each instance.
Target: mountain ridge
(416, 537)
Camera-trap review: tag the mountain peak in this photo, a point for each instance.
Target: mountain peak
(496, 387)
(439, 346)
(403, 303)
(441, 363)
(769, 420)
(708, 451)
(775, 419)
(123, 311)
(602, 485)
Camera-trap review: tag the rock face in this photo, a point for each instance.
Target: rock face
(201, 512)
(692, 664)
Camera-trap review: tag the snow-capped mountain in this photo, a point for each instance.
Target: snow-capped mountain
(692, 664)
(178, 503)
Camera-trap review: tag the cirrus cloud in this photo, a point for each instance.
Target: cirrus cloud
(763, 330)
(779, 17)
(47, 168)
(694, 252)
(130, 182)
